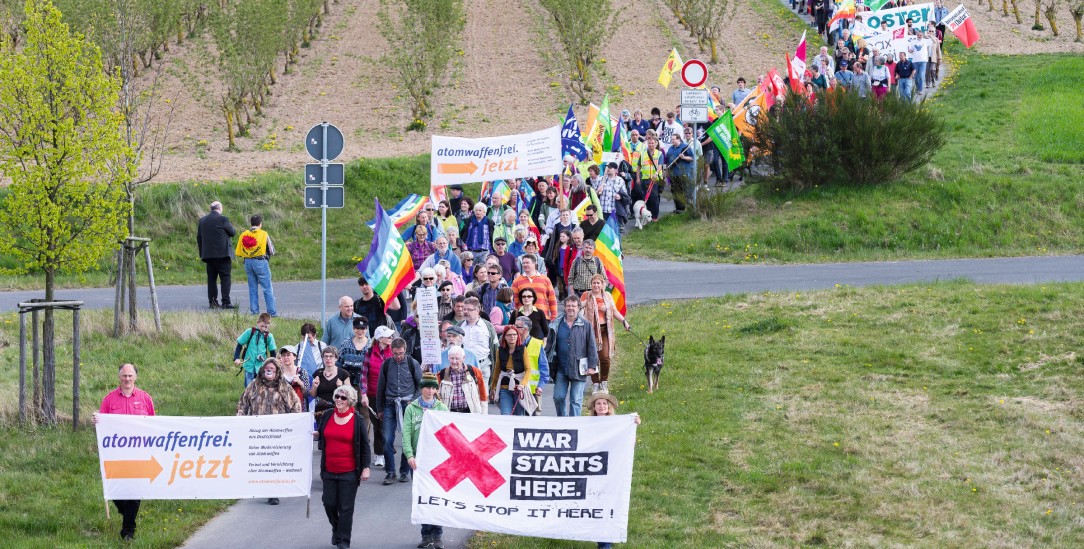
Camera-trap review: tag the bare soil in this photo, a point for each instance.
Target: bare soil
(501, 83)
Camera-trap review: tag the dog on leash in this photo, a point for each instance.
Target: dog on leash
(641, 214)
(653, 358)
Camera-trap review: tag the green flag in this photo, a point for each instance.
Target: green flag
(726, 137)
(607, 127)
(875, 5)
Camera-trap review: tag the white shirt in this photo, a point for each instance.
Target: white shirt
(476, 339)
(666, 132)
(922, 51)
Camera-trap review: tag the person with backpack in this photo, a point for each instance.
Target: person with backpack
(256, 248)
(254, 346)
(585, 266)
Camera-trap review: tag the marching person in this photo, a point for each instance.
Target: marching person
(127, 399)
(600, 311)
(412, 427)
(326, 380)
(462, 388)
(344, 463)
(397, 386)
(573, 355)
(253, 346)
(213, 240)
(270, 394)
(604, 404)
(255, 246)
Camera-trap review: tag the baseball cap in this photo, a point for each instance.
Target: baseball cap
(383, 331)
(292, 349)
(500, 239)
(456, 330)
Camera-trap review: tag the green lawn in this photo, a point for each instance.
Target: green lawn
(1006, 183)
(943, 415)
(50, 488)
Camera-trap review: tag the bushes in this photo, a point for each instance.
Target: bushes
(843, 139)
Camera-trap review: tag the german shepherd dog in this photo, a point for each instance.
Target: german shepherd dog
(653, 357)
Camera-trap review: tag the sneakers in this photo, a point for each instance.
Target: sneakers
(605, 387)
(427, 541)
(405, 477)
(272, 501)
(438, 543)
(594, 388)
(389, 480)
(378, 461)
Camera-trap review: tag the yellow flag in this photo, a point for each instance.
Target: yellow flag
(672, 65)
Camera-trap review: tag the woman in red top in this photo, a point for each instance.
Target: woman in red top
(344, 462)
(600, 312)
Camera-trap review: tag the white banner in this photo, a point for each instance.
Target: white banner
(428, 324)
(920, 14)
(563, 478)
(164, 457)
(461, 160)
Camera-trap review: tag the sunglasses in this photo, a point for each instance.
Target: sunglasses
(493, 273)
(500, 244)
(527, 297)
(428, 278)
(341, 397)
(445, 289)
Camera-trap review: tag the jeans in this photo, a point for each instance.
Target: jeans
(218, 269)
(566, 389)
(906, 87)
(391, 423)
(259, 274)
(434, 530)
(340, 491)
(128, 508)
(249, 377)
(920, 75)
(508, 404)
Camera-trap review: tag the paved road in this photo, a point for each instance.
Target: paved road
(649, 280)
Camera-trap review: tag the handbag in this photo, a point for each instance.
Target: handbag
(527, 400)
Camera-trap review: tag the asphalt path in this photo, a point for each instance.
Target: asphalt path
(646, 280)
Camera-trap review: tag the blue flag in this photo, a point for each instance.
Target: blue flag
(571, 140)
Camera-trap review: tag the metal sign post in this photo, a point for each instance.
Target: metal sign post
(324, 143)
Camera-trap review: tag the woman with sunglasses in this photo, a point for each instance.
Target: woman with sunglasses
(540, 326)
(344, 462)
(326, 380)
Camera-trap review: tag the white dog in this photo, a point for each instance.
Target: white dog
(641, 214)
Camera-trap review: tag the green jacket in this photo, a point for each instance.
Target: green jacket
(412, 425)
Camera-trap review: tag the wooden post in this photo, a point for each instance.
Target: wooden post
(22, 367)
(75, 368)
(48, 369)
(129, 258)
(154, 289)
(118, 300)
(36, 400)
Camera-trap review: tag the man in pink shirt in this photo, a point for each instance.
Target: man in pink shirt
(127, 399)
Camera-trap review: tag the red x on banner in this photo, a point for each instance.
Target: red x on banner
(469, 459)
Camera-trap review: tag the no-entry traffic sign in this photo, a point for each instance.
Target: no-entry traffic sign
(694, 73)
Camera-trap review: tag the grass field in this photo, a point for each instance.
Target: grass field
(50, 488)
(919, 416)
(1006, 183)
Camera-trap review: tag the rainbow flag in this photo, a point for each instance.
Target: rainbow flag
(388, 267)
(608, 249)
(403, 212)
(502, 190)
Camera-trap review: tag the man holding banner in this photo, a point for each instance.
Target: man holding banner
(128, 400)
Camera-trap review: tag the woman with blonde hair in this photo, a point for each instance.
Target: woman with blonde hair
(600, 312)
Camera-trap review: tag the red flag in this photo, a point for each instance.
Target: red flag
(960, 23)
(795, 77)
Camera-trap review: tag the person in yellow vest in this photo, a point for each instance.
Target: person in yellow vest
(520, 373)
(256, 248)
(649, 172)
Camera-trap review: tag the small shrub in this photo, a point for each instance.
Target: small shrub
(843, 139)
(711, 205)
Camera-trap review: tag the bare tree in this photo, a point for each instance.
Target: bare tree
(1077, 9)
(1050, 10)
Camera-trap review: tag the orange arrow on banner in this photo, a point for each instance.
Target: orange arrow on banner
(133, 468)
(466, 167)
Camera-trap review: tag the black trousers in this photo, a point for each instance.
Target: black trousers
(128, 509)
(340, 489)
(218, 269)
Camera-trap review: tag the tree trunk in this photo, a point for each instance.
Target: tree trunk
(991, 2)
(1052, 16)
(131, 212)
(271, 75)
(1016, 12)
(714, 50)
(229, 127)
(1038, 15)
(1079, 31)
(48, 354)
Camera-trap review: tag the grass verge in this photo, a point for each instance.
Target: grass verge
(50, 489)
(1005, 184)
(858, 418)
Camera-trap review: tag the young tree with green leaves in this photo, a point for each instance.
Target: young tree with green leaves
(424, 36)
(581, 28)
(60, 143)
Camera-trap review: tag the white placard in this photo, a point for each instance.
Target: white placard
(170, 457)
(550, 477)
(694, 97)
(428, 324)
(461, 160)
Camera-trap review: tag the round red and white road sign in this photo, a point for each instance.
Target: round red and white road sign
(694, 73)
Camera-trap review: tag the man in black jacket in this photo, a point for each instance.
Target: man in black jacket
(213, 240)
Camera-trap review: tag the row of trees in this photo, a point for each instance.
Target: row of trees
(704, 19)
(1048, 9)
